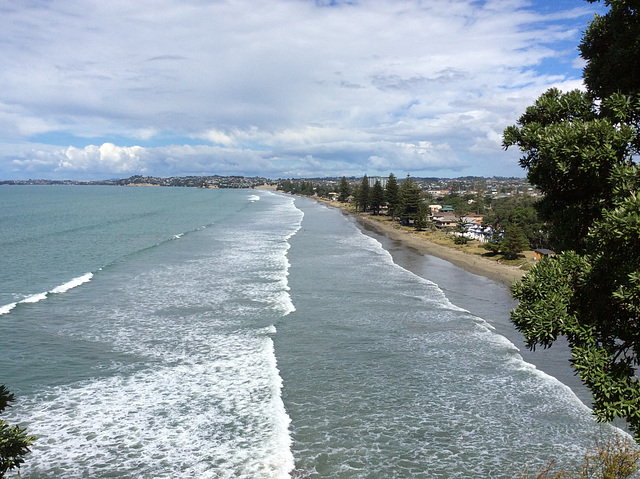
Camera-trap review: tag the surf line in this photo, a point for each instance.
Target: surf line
(34, 298)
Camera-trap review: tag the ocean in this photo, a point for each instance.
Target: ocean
(202, 333)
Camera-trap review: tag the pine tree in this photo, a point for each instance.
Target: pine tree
(514, 242)
(377, 197)
(345, 190)
(364, 193)
(410, 198)
(392, 194)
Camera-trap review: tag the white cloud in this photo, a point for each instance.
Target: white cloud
(266, 84)
(106, 158)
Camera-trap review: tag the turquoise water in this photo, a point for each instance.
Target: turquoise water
(173, 332)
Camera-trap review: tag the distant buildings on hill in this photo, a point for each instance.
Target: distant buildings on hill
(432, 187)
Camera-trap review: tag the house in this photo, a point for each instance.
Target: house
(444, 220)
(543, 253)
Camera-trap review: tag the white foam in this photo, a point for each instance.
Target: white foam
(216, 416)
(205, 397)
(360, 240)
(253, 198)
(35, 298)
(7, 308)
(63, 288)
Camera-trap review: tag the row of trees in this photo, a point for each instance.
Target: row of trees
(515, 220)
(580, 148)
(403, 200)
(304, 187)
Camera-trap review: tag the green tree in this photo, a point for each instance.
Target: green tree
(459, 203)
(421, 217)
(14, 441)
(345, 190)
(377, 197)
(286, 186)
(495, 242)
(514, 242)
(593, 299)
(580, 153)
(305, 188)
(569, 151)
(322, 190)
(364, 194)
(410, 199)
(611, 46)
(520, 211)
(356, 196)
(392, 193)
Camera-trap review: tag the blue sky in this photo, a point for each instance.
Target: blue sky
(282, 89)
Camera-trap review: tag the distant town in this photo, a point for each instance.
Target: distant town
(435, 187)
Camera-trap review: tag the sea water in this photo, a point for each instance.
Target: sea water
(175, 332)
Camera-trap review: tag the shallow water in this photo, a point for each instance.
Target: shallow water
(173, 332)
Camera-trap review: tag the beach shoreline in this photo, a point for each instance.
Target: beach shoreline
(553, 361)
(472, 263)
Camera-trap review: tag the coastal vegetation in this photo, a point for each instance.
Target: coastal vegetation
(615, 458)
(511, 219)
(580, 148)
(14, 441)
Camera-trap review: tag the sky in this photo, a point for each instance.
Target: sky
(93, 89)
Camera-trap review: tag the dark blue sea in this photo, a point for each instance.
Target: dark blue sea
(189, 333)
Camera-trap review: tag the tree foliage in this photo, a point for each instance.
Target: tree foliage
(461, 228)
(377, 197)
(410, 199)
(364, 194)
(514, 242)
(421, 217)
(580, 153)
(14, 441)
(344, 191)
(519, 211)
(594, 300)
(392, 194)
(459, 203)
(611, 46)
(569, 150)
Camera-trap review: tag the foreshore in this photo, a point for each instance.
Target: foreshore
(473, 263)
(553, 361)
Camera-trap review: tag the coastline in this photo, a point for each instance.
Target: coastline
(473, 263)
(490, 276)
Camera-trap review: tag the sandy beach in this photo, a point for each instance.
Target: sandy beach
(472, 263)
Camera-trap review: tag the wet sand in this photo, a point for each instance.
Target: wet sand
(472, 263)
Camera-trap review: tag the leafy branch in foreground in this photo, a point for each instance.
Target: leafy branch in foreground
(14, 441)
(581, 151)
(616, 459)
(593, 299)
